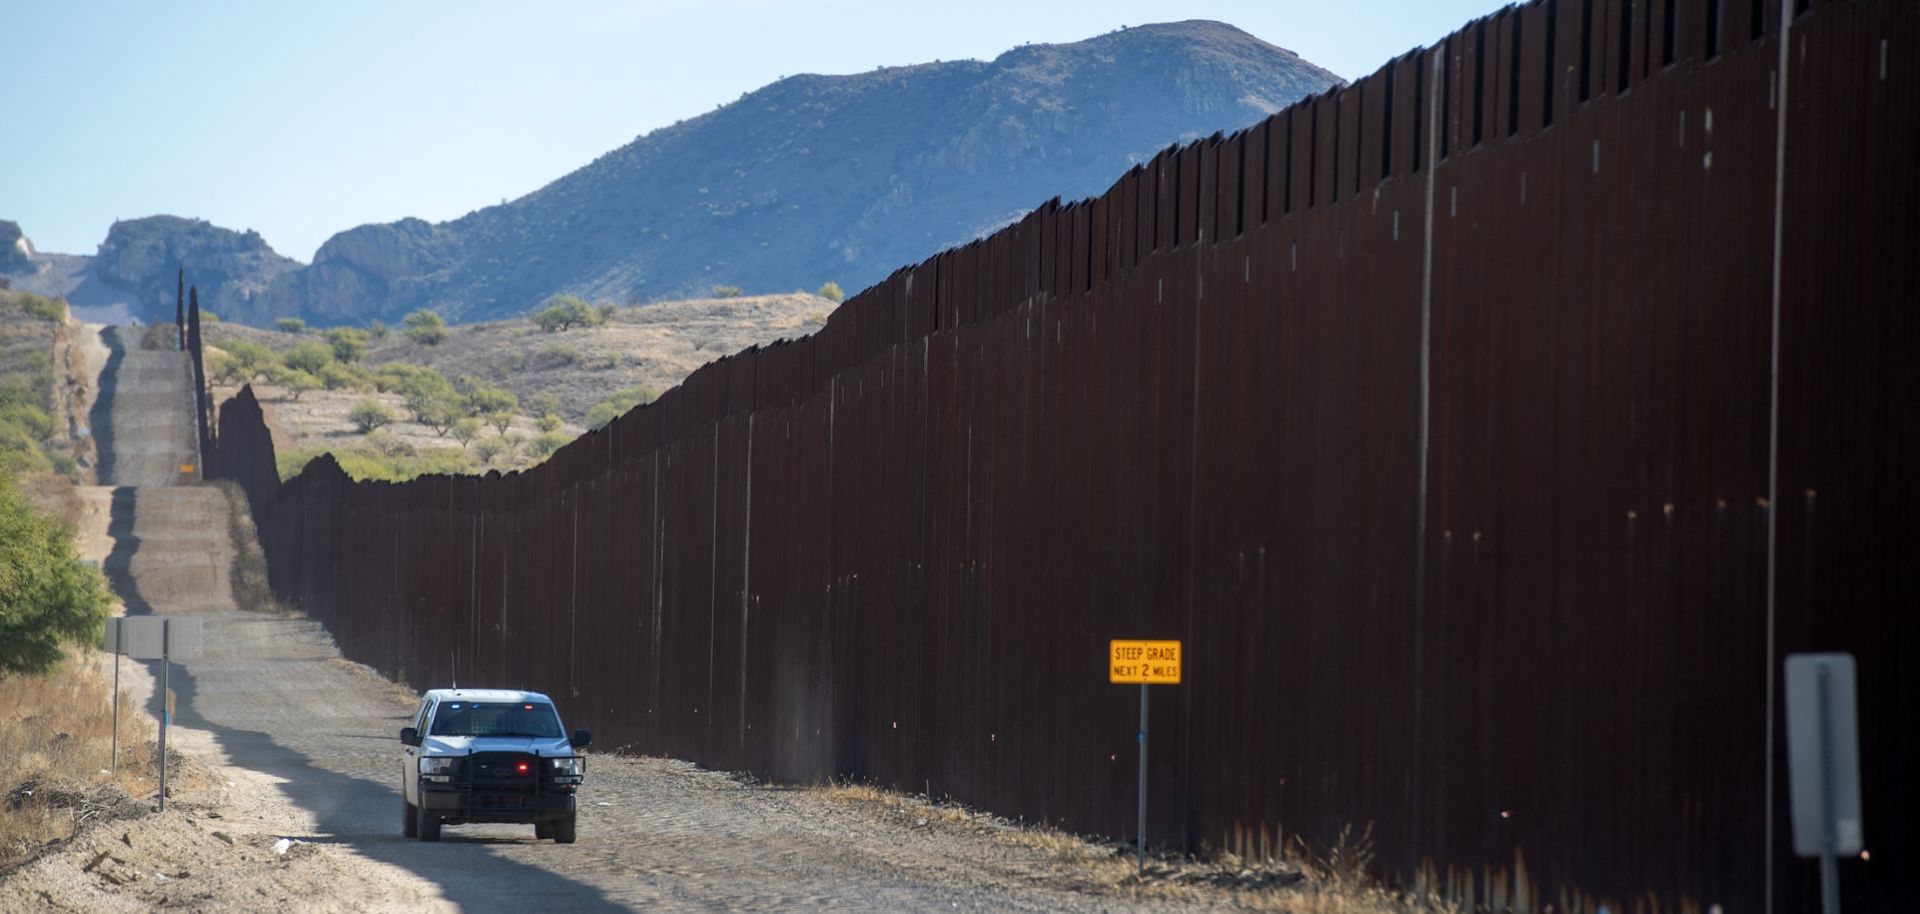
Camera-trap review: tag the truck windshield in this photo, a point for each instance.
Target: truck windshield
(496, 718)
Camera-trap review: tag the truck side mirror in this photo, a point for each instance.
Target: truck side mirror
(410, 736)
(581, 739)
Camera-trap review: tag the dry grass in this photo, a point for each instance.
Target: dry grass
(248, 576)
(56, 733)
(1331, 879)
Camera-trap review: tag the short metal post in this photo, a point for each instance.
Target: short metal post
(166, 715)
(1142, 827)
(1830, 848)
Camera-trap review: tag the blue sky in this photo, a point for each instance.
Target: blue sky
(301, 120)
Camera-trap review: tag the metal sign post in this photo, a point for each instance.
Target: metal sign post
(1823, 765)
(1147, 663)
(161, 638)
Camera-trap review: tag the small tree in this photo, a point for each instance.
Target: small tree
(830, 291)
(489, 448)
(309, 357)
(298, 382)
(251, 360)
(483, 399)
(348, 344)
(466, 429)
(606, 311)
(439, 415)
(728, 291)
(223, 368)
(619, 403)
(368, 415)
(545, 443)
(501, 420)
(542, 404)
(564, 312)
(340, 377)
(550, 422)
(48, 598)
(291, 325)
(377, 329)
(425, 327)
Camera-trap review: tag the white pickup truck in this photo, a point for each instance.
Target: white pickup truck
(490, 755)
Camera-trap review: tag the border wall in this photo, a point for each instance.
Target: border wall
(1452, 418)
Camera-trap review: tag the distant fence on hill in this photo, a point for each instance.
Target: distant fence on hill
(1438, 415)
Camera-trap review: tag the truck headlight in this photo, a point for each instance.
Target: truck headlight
(566, 766)
(436, 765)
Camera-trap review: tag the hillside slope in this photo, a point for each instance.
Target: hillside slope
(814, 178)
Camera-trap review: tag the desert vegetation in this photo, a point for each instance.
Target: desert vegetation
(435, 398)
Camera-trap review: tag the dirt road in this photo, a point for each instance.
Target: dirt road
(290, 800)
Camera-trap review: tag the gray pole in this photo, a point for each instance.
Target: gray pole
(1142, 832)
(113, 763)
(1829, 866)
(165, 717)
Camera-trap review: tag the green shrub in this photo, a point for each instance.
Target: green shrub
(308, 357)
(480, 398)
(377, 329)
(830, 291)
(290, 325)
(297, 382)
(728, 291)
(619, 403)
(251, 360)
(425, 327)
(564, 312)
(545, 443)
(208, 318)
(550, 422)
(368, 415)
(348, 344)
(396, 376)
(344, 377)
(40, 306)
(465, 429)
(487, 449)
(48, 597)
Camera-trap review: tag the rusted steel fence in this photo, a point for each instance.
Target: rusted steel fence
(1437, 414)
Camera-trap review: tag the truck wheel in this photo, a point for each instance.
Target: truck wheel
(563, 830)
(427, 824)
(542, 830)
(410, 824)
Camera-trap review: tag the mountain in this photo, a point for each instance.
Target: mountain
(134, 271)
(816, 178)
(810, 179)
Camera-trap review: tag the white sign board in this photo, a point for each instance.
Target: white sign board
(139, 637)
(1823, 754)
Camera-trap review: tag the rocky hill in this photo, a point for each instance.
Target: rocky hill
(816, 178)
(16, 252)
(810, 179)
(132, 275)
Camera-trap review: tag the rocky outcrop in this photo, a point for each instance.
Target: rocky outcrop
(815, 178)
(16, 252)
(231, 269)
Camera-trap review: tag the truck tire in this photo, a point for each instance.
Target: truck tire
(410, 824)
(428, 825)
(542, 830)
(563, 830)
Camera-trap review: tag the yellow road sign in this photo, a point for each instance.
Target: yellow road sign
(1148, 662)
(186, 468)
